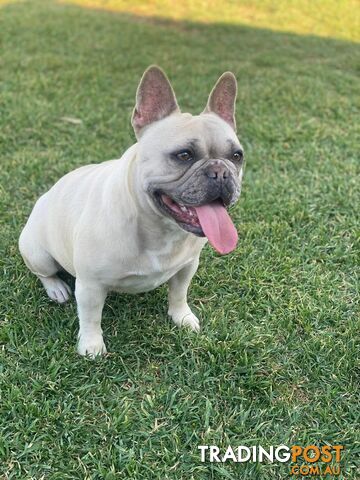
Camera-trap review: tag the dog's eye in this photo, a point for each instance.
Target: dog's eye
(238, 155)
(185, 155)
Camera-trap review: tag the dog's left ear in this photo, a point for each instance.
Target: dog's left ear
(155, 99)
(222, 99)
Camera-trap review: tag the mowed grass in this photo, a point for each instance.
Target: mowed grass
(276, 360)
(328, 18)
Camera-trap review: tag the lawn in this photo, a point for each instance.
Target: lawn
(276, 360)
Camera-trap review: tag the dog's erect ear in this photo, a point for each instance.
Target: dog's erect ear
(155, 99)
(222, 99)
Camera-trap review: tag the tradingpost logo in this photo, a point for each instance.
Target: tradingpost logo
(309, 460)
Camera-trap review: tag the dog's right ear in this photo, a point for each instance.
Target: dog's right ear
(155, 99)
(222, 99)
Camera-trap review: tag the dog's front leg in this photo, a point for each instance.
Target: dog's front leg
(90, 300)
(179, 309)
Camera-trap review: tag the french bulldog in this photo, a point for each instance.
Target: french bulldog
(132, 224)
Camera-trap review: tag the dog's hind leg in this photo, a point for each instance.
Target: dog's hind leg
(44, 266)
(57, 289)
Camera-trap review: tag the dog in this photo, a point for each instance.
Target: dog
(132, 224)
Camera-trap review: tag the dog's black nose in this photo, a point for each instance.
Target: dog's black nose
(217, 171)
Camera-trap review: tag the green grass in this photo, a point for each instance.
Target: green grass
(328, 18)
(276, 360)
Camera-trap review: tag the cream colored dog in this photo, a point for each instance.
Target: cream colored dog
(129, 225)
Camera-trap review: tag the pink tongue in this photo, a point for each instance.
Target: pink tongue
(218, 227)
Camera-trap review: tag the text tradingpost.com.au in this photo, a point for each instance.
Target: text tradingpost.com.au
(305, 460)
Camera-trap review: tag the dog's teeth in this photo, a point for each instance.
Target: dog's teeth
(183, 208)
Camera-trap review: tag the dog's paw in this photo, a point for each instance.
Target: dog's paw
(190, 320)
(58, 290)
(186, 319)
(91, 346)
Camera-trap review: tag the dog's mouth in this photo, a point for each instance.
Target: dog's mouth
(185, 215)
(209, 220)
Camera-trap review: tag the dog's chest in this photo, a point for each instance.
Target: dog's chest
(153, 268)
(139, 282)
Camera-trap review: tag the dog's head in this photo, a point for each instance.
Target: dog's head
(191, 166)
